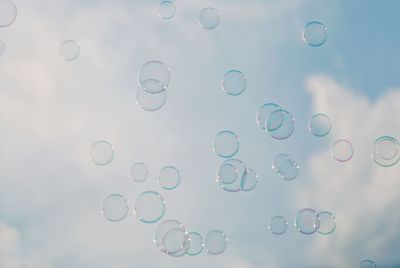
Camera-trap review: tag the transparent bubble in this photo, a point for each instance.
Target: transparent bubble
(166, 9)
(307, 221)
(319, 125)
(183, 251)
(2, 47)
(150, 101)
(386, 151)
(227, 173)
(235, 185)
(263, 114)
(215, 242)
(139, 172)
(367, 264)
(249, 180)
(234, 82)
(226, 144)
(101, 153)
(154, 76)
(209, 18)
(315, 33)
(8, 13)
(174, 240)
(327, 222)
(69, 50)
(280, 124)
(149, 207)
(278, 225)
(285, 167)
(342, 150)
(115, 208)
(162, 229)
(196, 244)
(169, 178)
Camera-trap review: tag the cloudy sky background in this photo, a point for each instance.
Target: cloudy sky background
(51, 111)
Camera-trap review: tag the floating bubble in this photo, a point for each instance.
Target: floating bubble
(315, 33)
(234, 82)
(386, 151)
(215, 242)
(307, 221)
(249, 180)
(342, 150)
(227, 173)
(280, 124)
(263, 114)
(367, 264)
(196, 244)
(226, 144)
(319, 125)
(209, 18)
(169, 178)
(139, 172)
(174, 240)
(150, 101)
(69, 50)
(285, 167)
(327, 222)
(166, 9)
(183, 251)
(8, 13)
(278, 225)
(162, 229)
(154, 76)
(235, 185)
(115, 208)
(149, 207)
(101, 153)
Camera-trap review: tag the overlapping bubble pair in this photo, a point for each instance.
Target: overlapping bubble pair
(285, 167)
(233, 176)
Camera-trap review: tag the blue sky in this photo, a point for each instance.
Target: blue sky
(51, 112)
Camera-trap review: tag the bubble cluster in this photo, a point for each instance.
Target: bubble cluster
(209, 18)
(149, 207)
(69, 50)
(115, 208)
(234, 176)
(234, 82)
(166, 9)
(226, 144)
(315, 33)
(8, 13)
(285, 167)
(386, 151)
(342, 150)
(101, 153)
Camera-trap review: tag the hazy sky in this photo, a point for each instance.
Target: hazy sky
(51, 111)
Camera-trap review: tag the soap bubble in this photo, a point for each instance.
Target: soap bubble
(69, 50)
(280, 124)
(285, 167)
(8, 13)
(386, 151)
(327, 222)
(162, 229)
(240, 167)
(150, 101)
(154, 76)
(115, 208)
(139, 172)
(101, 153)
(307, 221)
(234, 82)
(209, 18)
(278, 225)
(196, 244)
(249, 180)
(215, 242)
(226, 144)
(166, 9)
(342, 150)
(169, 178)
(319, 125)
(149, 207)
(174, 240)
(263, 114)
(315, 33)
(367, 264)
(227, 173)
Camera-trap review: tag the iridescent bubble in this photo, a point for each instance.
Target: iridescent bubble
(2, 47)
(240, 167)
(249, 180)
(367, 264)
(285, 167)
(196, 244)
(101, 153)
(307, 221)
(315, 33)
(342, 150)
(8, 13)
(115, 208)
(319, 125)
(227, 173)
(327, 222)
(209, 18)
(216, 242)
(166, 9)
(150, 101)
(263, 114)
(226, 144)
(139, 172)
(280, 124)
(69, 50)
(278, 225)
(154, 76)
(234, 82)
(149, 207)
(169, 178)
(386, 151)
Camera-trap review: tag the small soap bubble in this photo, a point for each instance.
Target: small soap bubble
(234, 186)
(342, 150)
(154, 76)
(139, 172)
(386, 151)
(285, 167)
(367, 264)
(209, 18)
(8, 13)
(115, 208)
(162, 229)
(234, 82)
(315, 33)
(169, 178)
(101, 153)
(227, 173)
(196, 244)
(215, 242)
(226, 144)
(327, 223)
(278, 225)
(263, 114)
(319, 125)
(280, 124)
(69, 50)
(307, 221)
(149, 207)
(150, 101)
(166, 9)
(174, 240)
